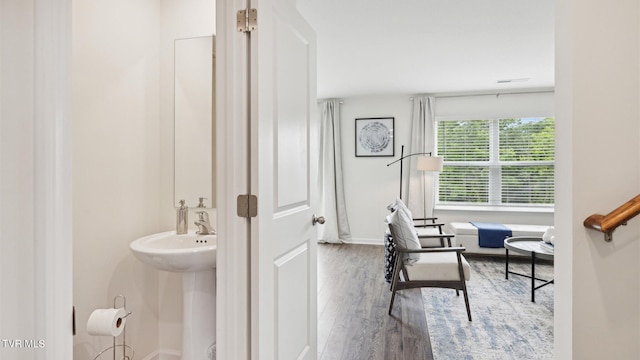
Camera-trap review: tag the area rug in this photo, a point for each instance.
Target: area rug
(506, 324)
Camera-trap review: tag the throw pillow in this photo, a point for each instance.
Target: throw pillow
(401, 205)
(394, 205)
(406, 236)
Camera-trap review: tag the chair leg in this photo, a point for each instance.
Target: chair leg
(394, 281)
(393, 295)
(464, 286)
(396, 263)
(466, 300)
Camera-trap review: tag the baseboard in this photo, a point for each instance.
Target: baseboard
(153, 356)
(365, 241)
(163, 355)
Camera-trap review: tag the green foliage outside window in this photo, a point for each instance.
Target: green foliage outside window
(463, 140)
(497, 162)
(464, 184)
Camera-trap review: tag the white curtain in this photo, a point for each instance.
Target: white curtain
(420, 186)
(332, 200)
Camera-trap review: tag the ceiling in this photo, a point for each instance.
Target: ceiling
(369, 47)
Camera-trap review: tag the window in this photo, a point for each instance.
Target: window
(506, 162)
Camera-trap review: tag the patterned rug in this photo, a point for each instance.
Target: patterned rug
(506, 324)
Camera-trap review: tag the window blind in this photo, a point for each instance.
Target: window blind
(505, 162)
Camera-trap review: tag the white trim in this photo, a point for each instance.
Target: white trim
(366, 241)
(153, 356)
(52, 172)
(163, 354)
(233, 319)
(2, 329)
(489, 208)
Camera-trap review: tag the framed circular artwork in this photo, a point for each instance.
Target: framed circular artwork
(374, 136)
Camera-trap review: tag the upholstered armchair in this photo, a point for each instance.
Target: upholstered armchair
(430, 233)
(443, 267)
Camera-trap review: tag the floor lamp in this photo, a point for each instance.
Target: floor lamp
(426, 162)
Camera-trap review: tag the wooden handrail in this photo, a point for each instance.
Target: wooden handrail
(620, 216)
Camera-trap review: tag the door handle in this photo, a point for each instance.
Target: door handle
(317, 220)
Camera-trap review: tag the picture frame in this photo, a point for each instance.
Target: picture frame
(374, 137)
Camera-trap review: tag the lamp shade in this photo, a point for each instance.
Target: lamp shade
(429, 163)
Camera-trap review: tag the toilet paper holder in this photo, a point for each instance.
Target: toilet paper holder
(124, 345)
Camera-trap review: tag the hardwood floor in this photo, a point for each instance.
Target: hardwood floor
(353, 300)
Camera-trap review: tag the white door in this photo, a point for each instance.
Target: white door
(283, 176)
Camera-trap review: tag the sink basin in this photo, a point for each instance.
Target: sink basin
(177, 253)
(195, 257)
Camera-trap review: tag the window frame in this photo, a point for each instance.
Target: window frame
(494, 165)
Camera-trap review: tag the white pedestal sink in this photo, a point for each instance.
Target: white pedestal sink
(195, 257)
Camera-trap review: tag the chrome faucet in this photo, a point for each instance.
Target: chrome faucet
(204, 227)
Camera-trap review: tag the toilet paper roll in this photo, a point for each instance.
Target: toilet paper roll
(107, 322)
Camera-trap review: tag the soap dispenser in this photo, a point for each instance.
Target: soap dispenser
(182, 226)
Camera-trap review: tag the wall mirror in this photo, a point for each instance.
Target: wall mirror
(194, 120)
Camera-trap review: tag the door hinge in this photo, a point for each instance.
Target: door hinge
(247, 206)
(247, 20)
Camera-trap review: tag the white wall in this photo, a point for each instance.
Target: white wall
(117, 164)
(123, 161)
(370, 185)
(17, 238)
(597, 300)
(180, 19)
